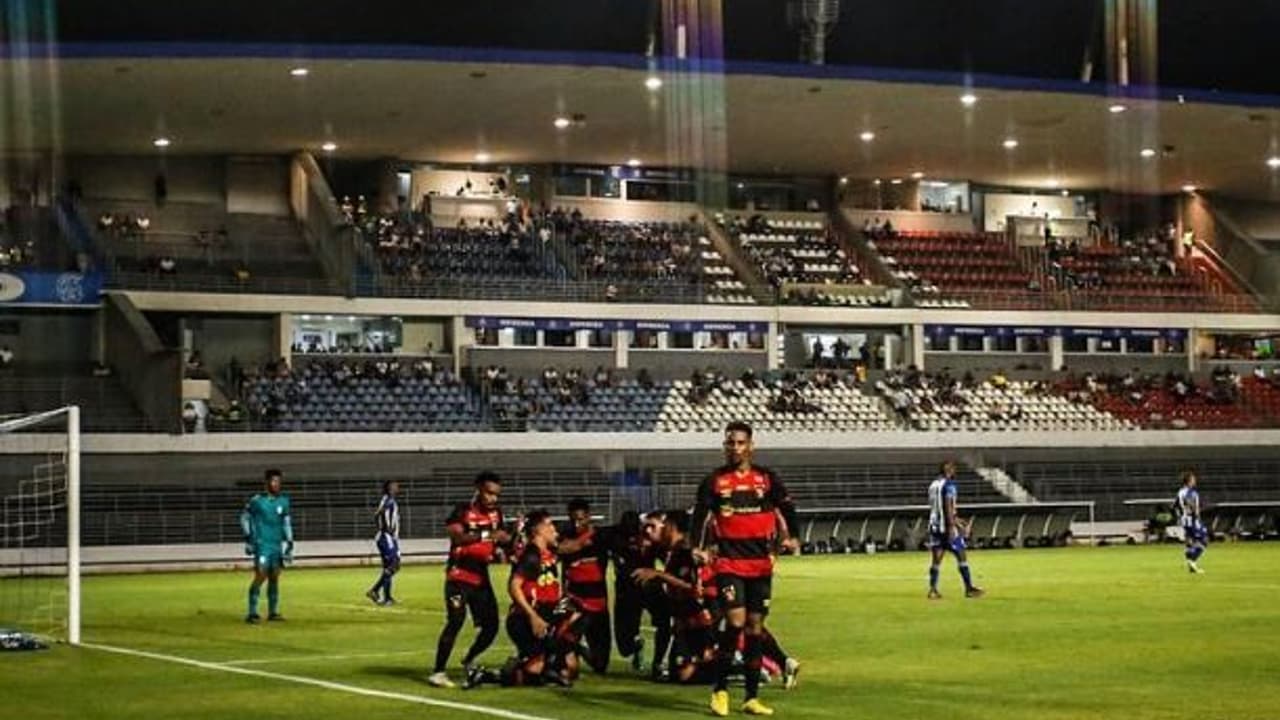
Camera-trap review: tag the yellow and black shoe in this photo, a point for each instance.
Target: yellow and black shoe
(720, 703)
(755, 707)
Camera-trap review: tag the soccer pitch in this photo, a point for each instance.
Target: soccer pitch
(1073, 633)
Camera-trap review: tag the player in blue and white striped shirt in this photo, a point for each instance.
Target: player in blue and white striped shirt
(947, 532)
(388, 543)
(1187, 505)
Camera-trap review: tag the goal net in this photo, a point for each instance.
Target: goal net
(39, 528)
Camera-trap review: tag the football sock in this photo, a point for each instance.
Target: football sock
(254, 589)
(273, 596)
(933, 577)
(964, 574)
(751, 661)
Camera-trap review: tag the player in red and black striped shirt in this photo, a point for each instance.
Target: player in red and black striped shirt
(476, 539)
(584, 556)
(743, 510)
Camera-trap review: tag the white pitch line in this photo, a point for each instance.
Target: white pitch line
(327, 685)
(382, 609)
(307, 658)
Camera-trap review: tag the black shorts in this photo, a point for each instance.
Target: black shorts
(460, 597)
(528, 645)
(689, 646)
(752, 593)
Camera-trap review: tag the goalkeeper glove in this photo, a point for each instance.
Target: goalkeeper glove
(288, 551)
(249, 548)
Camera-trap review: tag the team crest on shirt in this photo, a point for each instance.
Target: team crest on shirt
(729, 593)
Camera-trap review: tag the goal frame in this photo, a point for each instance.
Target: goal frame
(71, 418)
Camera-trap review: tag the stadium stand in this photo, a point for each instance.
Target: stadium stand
(573, 402)
(940, 402)
(819, 401)
(956, 270)
(1174, 401)
(799, 252)
(194, 246)
(351, 396)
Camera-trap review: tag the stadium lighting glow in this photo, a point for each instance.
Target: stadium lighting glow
(1189, 188)
(483, 157)
(896, 181)
(329, 146)
(876, 181)
(328, 317)
(917, 175)
(867, 136)
(1066, 193)
(633, 162)
(1010, 143)
(968, 99)
(161, 142)
(844, 181)
(1147, 153)
(1053, 182)
(1273, 162)
(300, 72)
(1117, 109)
(653, 83)
(561, 122)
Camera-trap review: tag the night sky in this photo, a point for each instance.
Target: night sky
(1208, 44)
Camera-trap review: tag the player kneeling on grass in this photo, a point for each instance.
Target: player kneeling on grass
(542, 624)
(268, 539)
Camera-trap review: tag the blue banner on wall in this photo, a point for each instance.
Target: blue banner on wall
(942, 331)
(498, 322)
(50, 288)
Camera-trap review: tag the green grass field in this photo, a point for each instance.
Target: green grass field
(1077, 633)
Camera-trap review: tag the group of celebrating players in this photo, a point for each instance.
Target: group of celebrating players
(703, 577)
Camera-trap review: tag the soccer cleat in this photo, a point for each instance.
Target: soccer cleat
(441, 680)
(253, 618)
(373, 597)
(275, 617)
(1194, 568)
(720, 703)
(556, 679)
(755, 707)
(637, 659)
(791, 674)
(974, 592)
(388, 602)
(934, 594)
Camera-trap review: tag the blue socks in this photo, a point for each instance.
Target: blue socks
(273, 596)
(1194, 552)
(386, 585)
(253, 598)
(933, 577)
(964, 574)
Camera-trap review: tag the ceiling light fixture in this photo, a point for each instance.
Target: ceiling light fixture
(1273, 162)
(1147, 153)
(1189, 188)
(1010, 143)
(329, 146)
(161, 142)
(1117, 109)
(633, 162)
(300, 72)
(483, 157)
(867, 136)
(968, 99)
(1053, 182)
(896, 181)
(562, 122)
(653, 83)
(876, 181)
(1066, 193)
(844, 180)
(917, 175)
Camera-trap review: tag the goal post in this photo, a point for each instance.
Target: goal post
(40, 523)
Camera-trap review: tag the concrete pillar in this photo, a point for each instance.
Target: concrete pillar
(621, 349)
(582, 339)
(915, 336)
(890, 344)
(1193, 358)
(1056, 357)
(664, 340)
(282, 336)
(463, 339)
(953, 343)
(773, 357)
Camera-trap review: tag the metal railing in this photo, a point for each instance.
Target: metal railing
(181, 282)
(1098, 300)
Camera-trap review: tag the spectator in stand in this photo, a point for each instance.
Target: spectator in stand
(6, 358)
(817, 350)
(167, 265)
(194, 367)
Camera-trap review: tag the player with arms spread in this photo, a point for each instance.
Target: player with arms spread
(947, 532)
(1187, 505)
(743, 510)
(476, 539)
(388, 543)
(268, 539)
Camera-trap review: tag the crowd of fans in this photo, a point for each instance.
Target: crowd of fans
(911, 391)
(809, 256)
(410, 247)
(622, 251)
(1138, 388)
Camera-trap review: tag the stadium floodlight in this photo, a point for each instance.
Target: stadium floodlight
(653, 83)
(968, 99)
(40, 527)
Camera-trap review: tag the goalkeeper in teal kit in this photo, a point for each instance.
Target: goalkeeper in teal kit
(268, 539)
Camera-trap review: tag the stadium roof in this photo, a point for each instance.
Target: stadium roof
(449, 104)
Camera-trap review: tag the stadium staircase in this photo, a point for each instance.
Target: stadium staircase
(744, 269)
(1005, 484)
